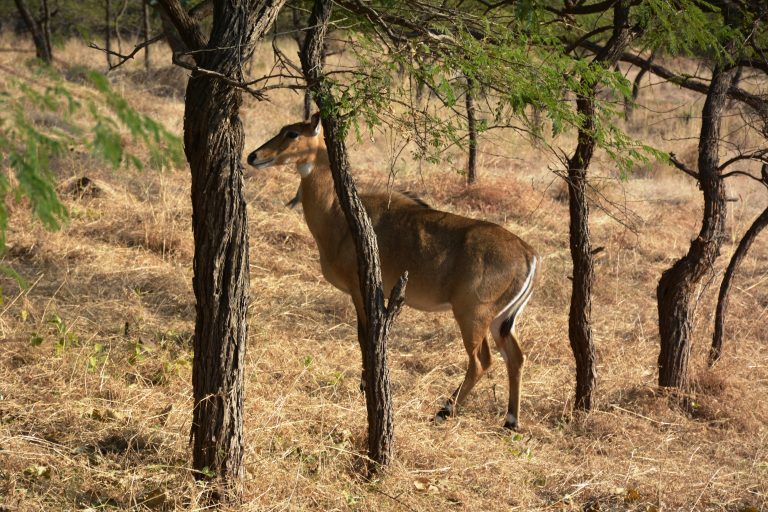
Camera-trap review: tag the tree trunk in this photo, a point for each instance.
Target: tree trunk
(472, 133)
(722, 300)
(45, 26)
(108, 32)
(176, 40)
(374, 329)
(41, 34)
(678, 283)
(213, 142)
(145, 29)
(173, 38)
(118, 17)
(580, 315)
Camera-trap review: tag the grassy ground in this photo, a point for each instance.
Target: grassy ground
(95, 367)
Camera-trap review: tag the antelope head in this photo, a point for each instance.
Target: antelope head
(296, 144)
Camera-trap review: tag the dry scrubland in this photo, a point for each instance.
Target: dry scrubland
(104, 420)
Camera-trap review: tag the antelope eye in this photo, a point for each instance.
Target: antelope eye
(292, 135)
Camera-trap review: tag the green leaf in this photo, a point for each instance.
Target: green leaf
(10, 272)
(208, 472)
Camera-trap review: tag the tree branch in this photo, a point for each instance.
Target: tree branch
(585, 37)
(124, 58)
(580, 8)
(746, 175)
(245, 86)
(680, 165)
(188, 27)
(757, 103)
(760, 155)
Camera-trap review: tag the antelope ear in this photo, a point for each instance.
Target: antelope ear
(317, 126)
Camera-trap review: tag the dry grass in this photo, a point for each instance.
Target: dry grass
(98, 414)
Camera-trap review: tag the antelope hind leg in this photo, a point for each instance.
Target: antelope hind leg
(479, 361)
(509, 346)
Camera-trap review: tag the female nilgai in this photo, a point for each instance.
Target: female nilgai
(478, 270)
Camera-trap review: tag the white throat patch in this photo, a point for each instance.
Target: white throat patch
(305, 169)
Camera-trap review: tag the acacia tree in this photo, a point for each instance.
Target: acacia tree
(213, 142)
(676, 287)
(677, 284)
(691, 28)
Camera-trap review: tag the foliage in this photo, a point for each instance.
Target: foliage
(39, 123)
(516, 58)
(519, 58)
(686, 28)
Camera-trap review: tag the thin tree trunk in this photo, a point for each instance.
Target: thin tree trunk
(108, 31)
(580, 315)
(117, 26)
(472, 132)
(213, 142)
(40, 35)
(678, 283)
(299, 37)
(378, 318)
(145, 25)
(722, 300)
(45, 26)
(173, 38)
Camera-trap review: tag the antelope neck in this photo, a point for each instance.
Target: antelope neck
(318, 196)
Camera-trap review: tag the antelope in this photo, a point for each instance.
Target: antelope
(480, 271)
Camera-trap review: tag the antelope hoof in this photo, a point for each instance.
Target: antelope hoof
(443, 414)
(511, 423)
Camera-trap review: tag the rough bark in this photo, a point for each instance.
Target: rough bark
(213, 142)
(580, 315)
(471, 133)
(187, 34)
(378, 318)
(678, 284)
(41, 32)
(722, 300)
